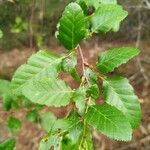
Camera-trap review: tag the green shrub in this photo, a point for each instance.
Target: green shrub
(38, 80)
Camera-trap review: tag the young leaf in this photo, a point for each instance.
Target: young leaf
(80, 99)
(48, 121)
(113, 58)
(118, 92)
(48, 91)
(72, 26)
(93, 91)
(110, 121)
(69, 64)
(91, 75)
(8, 144)
(39, 65)
(106, 17)
(13, 124)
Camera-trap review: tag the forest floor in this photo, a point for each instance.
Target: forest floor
(30, 134)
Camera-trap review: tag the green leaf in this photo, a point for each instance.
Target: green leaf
(39, 65)
(116, 27)
(79, 98)
(72, 26)
(32, 116)
(86, 142)
(89, 140)
(83, 5)
(106, 17)
(48, 91)
(110, 121)
(19, 26)
(91, 75)
(48, 121)
(13, 124)
(72, 125)
(58, 125)
(75, 127)
(97, 3)
(93, 91)
(118, 92)
(51, 124)
(69, 64)
(4, 86)
(25, 102)
(7, 102)
(69, 128)
(1, 33)
(113, 58)
(7, 97)
(8, 144)
(67, 144)
(15, 104)
(108, 1)
(52, 141)
(73, 130)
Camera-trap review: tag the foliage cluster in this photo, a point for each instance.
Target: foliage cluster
(38, 82)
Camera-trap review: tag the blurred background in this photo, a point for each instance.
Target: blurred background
(29, 25)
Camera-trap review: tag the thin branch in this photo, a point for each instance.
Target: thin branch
(82, 59)
(84, 78)
(100, 76)
(31, 32)
(140, 22)
(137, 7)
(43, 11)
(83, 64)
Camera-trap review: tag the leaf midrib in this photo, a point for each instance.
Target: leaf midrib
(115, 57)
(120, 99)
(106, 118)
